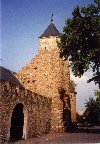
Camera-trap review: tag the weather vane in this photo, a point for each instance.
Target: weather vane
(51, 18)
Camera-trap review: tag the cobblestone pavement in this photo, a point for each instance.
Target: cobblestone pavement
(84, 136)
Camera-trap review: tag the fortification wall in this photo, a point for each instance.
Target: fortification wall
(45, 74)
(37, 111)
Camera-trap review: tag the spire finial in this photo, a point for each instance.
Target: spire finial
(51, 18)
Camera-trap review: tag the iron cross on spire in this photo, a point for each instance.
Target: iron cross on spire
(51, 18)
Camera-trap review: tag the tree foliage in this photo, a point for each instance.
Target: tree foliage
(92, 112)
(97, 93)
(80, 41)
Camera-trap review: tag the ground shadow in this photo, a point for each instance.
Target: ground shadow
(91, 130)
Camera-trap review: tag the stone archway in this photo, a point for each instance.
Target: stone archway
(17, 122)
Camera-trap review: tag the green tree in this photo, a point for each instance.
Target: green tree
(97, 93)
(92, 112)
(80, 41)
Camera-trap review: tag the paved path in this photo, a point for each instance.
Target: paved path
(84, 136)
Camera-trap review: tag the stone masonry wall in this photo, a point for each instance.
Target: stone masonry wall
(73, 107)
(45, 74)
(37, 111)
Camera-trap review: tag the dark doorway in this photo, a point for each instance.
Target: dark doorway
(17, 121)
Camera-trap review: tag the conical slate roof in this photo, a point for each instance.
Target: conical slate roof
(50, 31)
(7, 75)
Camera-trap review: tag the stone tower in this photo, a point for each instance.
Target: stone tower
(47, 74)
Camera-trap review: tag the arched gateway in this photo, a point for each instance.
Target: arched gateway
(17, 122)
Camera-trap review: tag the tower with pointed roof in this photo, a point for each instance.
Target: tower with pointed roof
(48, 75)
(48, 40)
(56, 70)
